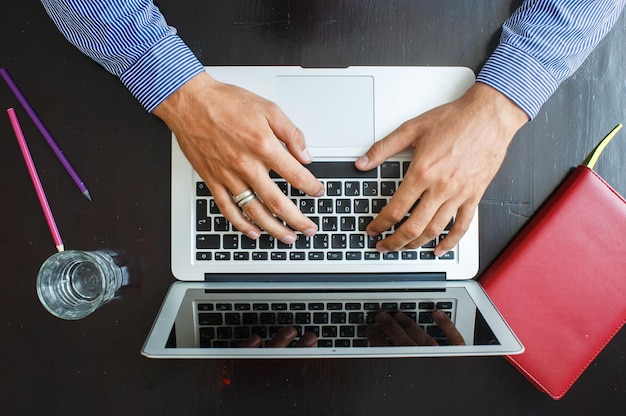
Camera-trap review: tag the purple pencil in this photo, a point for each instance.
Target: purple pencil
(55, 147)
(56, 236)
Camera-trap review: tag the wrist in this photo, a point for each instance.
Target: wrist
(497, 108)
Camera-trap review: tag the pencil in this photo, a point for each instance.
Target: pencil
(56, 236)
(40, 126)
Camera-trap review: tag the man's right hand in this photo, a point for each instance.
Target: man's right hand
(233, 138)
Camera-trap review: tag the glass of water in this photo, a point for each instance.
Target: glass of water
(74, 283)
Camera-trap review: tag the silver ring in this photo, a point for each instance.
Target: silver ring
(243, 195)
(246, 200)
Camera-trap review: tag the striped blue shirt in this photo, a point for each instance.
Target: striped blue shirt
(542, 44)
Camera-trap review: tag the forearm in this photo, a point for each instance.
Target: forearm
(542, 44)
(131, 40)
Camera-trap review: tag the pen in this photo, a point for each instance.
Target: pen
(35, 178)
(55, 147)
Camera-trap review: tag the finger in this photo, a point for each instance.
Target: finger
(436, 227)
(394, 143)
(308, 339)
(445, 323)
(413, 228)
(273, 203)
(254, 341)
(224, 200)
(297, 175)
(413, 330)
(394, 331)
(397, 208)
(288, 133)
(463, 219)
(376, 336)
(284, 337)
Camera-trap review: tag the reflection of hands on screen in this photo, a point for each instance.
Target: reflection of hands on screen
(396, 330)
(283, 338)
(400, 330)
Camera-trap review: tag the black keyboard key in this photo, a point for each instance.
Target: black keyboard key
(267, 318)
(425, 318)
(329, 331)
(333, 188)
(205, 307)
(207, 241)
(313, 329)
(232, 318)
(210, 319)
(284, 318)
(407, 305)
(260, 306)
(206, 335)
(331, 170)
(334, 306)
(303, 318)
(224, 332)
(359, 343)
(223, 307)
(371, 306)
(390, 306)
(353, 306)
(387, 188)
(204, 255)
(338, 318)
(279, 306)
(202, 189)
(250, 318)
(444, 305)
(356, 317)
(316, 306)
(241, 332)
(342, 343)
(390, 170)
(370, 188)
(427, 255)
(351, 188)
(325, 343)
(346, 331)
(203, 223)
(320, 317)
(426, 305)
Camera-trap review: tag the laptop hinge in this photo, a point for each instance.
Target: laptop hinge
(325, 277)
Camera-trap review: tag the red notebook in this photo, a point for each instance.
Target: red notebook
(561, 283)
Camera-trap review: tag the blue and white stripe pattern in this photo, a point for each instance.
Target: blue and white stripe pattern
(542, 43)
(131, 40)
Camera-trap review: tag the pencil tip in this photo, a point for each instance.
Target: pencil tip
(88, 196)
(60, 248)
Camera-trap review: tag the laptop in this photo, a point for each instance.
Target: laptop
(333, 284)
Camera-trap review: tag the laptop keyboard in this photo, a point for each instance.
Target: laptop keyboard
(352, 200)
(337, 323)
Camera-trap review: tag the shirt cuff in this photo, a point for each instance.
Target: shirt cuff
(518, 76)
(161, 71)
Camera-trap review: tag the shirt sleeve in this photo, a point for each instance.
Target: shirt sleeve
(131, 40)
(543, 43)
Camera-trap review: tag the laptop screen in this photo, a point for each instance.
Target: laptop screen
(439, 319)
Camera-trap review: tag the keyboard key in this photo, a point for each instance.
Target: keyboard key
(202, 189)
(207, 241)
(390, 170)
(210, 318)
(329, 331)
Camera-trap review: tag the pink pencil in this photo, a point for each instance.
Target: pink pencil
(35, 178)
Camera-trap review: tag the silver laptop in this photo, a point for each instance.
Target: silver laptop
(334, 283)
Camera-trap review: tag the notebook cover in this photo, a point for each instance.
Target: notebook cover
(561, 284)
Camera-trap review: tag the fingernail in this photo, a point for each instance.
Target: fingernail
(288, 239)
(437, 314)
(440, 252)
(253, 235)
(307, 155)
(321, 192)
(310, 232)
(362, 161)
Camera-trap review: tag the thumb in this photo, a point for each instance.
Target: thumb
(292, 136)
(382, 150)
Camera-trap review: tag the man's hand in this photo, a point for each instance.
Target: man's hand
(233, 138)
(457, 150)
(283, 339)
(400, 330)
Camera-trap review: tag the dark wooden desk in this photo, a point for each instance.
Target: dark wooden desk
(93, 366)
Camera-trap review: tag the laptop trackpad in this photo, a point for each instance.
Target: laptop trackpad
(332, 111)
